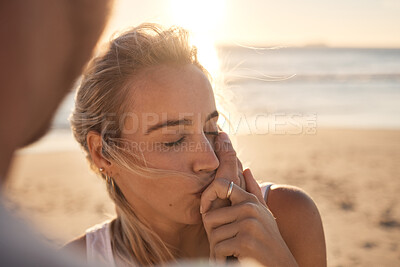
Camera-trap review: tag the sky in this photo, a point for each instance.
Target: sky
(336, 23)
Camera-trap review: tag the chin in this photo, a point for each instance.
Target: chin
(197, 219)
(194, 217)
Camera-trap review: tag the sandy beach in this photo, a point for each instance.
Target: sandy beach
(353, 176)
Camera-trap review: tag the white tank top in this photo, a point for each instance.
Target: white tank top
(98, 245)
(98, 240)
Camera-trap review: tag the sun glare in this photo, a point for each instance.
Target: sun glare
(202, 19)
(198, 16)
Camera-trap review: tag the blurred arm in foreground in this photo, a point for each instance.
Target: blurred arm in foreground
(44, 47)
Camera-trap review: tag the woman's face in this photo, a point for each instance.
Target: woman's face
(172, 119)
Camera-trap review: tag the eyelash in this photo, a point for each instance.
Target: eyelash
(183, 138)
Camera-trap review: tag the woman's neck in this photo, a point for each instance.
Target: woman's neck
(192, 242)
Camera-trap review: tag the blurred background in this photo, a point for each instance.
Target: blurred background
(312, 90)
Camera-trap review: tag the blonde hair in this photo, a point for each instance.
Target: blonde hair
(104, 86)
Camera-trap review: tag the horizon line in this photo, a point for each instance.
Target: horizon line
(279, 46)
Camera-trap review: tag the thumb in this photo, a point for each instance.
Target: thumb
(252, 185)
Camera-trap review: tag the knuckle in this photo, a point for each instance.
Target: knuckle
(251, 244)
(249, 208)
(230, 152)
(206, 220)
(242, 182)
(246, 225)
(209, 222)
(212, 239)
(221, 182)
(215, 232)
(236, 179)
(247, 243)
(218, 248)
(253, 198)
(243, 226)
(242, 239)
(252, 225)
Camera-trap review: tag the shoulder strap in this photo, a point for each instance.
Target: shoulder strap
(265, 189)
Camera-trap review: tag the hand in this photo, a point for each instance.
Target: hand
(226, 169)
(221, 171)
(246, 228)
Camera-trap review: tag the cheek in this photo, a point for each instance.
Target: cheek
(180, 201)
(175, 189)
(171, 193)
(166, 191)
(173, 197)
(171, 160)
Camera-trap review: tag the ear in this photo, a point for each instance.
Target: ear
(95, 146)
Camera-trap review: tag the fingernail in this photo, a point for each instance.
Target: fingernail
(201, 209)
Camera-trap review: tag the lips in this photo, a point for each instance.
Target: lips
(209, 180)
(204, 188)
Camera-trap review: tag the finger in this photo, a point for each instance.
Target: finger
(242, 182)
(240, 165)
(215, 218)
(226, 248)
(252, 186)
(219, 203)
(222, 233)
(219, 189)
(228, 168)
(240, 246)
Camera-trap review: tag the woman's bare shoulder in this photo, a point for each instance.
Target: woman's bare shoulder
(282, 196)
(77, 246)
(299, 223)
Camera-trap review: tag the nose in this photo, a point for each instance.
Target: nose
(204, 158)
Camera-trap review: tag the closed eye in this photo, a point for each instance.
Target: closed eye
(175, 143)
(171, 144)
(211, 133)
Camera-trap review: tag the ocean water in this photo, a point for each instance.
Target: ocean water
(338, 87)
(326, 87)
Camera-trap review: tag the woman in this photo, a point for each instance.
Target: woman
(145, 115)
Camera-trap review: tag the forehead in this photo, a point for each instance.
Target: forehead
(173, 90)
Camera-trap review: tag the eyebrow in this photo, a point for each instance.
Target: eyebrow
(178, 122)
